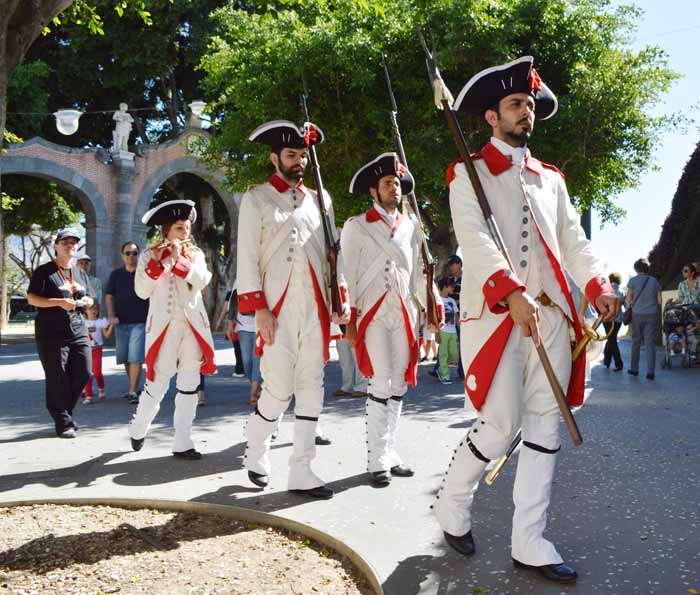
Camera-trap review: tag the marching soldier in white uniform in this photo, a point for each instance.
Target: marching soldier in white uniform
(502, 311)
(283, 279)
(171, 275)
(381, 250)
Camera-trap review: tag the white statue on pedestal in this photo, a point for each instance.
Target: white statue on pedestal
(120, 135)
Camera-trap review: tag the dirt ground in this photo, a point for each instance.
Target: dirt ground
(96, 550)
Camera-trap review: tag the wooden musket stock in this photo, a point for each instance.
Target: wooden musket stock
(332, 244)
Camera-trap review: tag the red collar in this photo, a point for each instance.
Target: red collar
(373, 215)
(281, 185)
(497, 162)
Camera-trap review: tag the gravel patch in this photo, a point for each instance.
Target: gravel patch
(97, 550)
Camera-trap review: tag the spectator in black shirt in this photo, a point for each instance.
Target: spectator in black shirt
(128, 312)
(59, 291)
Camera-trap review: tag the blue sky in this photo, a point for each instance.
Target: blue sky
(673, 25)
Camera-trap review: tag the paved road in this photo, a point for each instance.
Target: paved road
(625, 504)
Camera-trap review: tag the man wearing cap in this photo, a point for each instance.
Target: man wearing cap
(171, 275)
(505, 312)
(283, 278)
(381, 251)
(84, 262)
(60, 292)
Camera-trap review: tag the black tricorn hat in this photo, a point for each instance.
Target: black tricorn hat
(169, 212)
(286, 134)
(486, 88)
(387, 164)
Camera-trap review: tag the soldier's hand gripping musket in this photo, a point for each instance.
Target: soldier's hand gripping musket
(429, 263)
(332, 243)
(516, 314)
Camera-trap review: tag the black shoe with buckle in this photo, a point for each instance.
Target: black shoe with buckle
(402, 471)
(258, 479)
(137, 444)
(464, 544)
(189, 455)
(320, 493)
(380, 478)
(322, 441)
(558, 573)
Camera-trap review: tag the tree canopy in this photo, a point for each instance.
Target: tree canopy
(602, 137)
(679, 243)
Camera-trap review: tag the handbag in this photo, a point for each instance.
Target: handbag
(627, 316)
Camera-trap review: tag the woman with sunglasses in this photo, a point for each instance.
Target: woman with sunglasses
(59, 292)
(689, 287)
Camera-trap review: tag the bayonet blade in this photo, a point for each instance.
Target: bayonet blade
(394, 108)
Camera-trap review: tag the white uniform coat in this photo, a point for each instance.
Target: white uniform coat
(276, 220)
(168, 286)
(537, 193)
(380, 260)
(282, 266)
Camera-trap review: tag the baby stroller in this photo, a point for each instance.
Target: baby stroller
(679, 322)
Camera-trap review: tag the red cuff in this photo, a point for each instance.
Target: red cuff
(596, 287)
(498, 286)
(182, 267)
(248, 303)
(154, 269)
(353, 315)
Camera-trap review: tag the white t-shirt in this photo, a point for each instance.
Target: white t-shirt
(451, 315)
(94, 328)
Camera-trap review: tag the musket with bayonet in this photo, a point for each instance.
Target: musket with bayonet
(332, 244)
(443, 98)
(429, 263)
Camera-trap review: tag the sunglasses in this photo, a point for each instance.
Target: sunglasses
(131, 253)
(686, 270)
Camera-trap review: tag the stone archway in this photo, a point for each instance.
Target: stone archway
(191, 165)
(115, 190)
(98, 229)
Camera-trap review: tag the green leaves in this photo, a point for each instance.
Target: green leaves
(602, 138)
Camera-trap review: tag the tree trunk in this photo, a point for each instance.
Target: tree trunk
(4, 75)
(21, 22)
(4, 310)
(211, 255)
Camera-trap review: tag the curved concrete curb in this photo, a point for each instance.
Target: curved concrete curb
(233, 512)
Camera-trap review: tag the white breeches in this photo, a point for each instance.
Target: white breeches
(519, 396)
(292, 365)
(387, 347)
(179, 353)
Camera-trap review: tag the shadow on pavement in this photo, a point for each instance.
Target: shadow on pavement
(139, 472)
(272, 501)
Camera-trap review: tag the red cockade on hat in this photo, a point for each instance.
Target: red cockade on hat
(400, 169)
(534, 80)
(310, 135)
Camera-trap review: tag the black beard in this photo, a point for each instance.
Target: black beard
(381, 201)
(521, 138)
(293, 173)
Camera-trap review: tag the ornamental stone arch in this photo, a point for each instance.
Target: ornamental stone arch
(115, 190)
(191, 165)
(42, 159)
